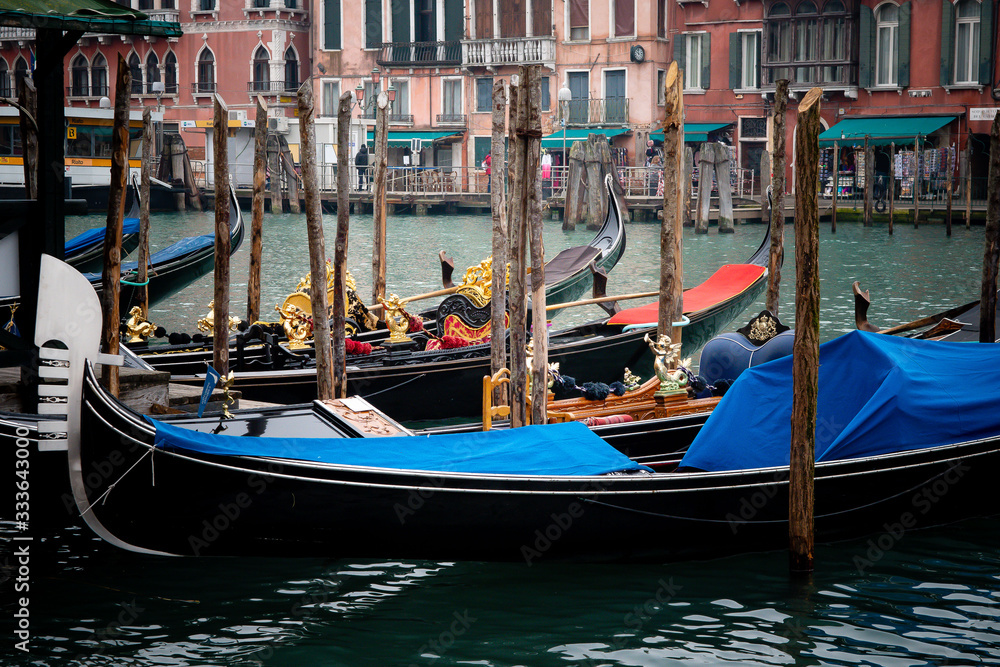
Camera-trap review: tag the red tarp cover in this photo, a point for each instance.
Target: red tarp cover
(725, 283)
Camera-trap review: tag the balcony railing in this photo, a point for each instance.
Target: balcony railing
(509, 51)
(86, 91)
(397, 118)
(613, 110)
(272, 87)
(203, 87)
(8, 33)
(451, 119)
(803, 76)
(420, 54)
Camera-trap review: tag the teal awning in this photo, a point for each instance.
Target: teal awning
(403, 138)
(99, 16)
(555, 140)
(883, 130)
(694, 132)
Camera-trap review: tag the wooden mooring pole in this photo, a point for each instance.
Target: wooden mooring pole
(111, 275)
(988, 306)
(869, 182)
(378, 203)
(777, 221)
(891, 193)
(273, 156)
(949, 171)
(257, 209)
(220, 332)
(317, 251)
(805, 363)
(143, 258)
(498, 202)
(340, 248)
(531, 85)
(27, 97)
(671, 303)
(968, 183)
(916, 183)
(518, 246)
(836, 186)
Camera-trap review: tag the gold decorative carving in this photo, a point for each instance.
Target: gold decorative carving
(665, 359)
(207, 323)
(477, 283)
(136, 327)
(226, 383)
(632, 381)
(396, 319)
(764, 329)
(296, 311)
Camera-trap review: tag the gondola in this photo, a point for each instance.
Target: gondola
(546, 493)
(959, 324)
(394, 380)
(177, 266)
(85, 252)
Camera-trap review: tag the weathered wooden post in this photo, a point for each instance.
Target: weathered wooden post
(723, 169)
(116, 212)
(805, 364)
(28, 99)
(143, 259)
(947, 218)
(671, 304)
(869, 182)
(277, 205)
(532, 87)
(339, 322)
(988, 303)
(836, 186)
(294, 204)
(916, 182)
(179, 169)
(518, 243)
(765, 183)
(777, 255)
(968, 184)
(498, 201)
(381, 173)
(687, 180)
(317, 251)
(220, 333)
(891, 190)
(257, 209)
(706, 169)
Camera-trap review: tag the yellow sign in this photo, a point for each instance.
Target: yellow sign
(71, 133)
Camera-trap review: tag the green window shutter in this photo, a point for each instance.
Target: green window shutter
(947, 41)
(735, 60)
(453, 20)
(373, 24)
(400, 21)
(679, 50)
(706, 61)
(985, 41)
(903, 72)
(331, 25)
(866, 42)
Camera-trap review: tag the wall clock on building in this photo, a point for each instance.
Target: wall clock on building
(638, 54)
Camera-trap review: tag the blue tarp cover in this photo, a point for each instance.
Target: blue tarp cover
(91, 236)
(170, 253)
(877, 395)
(553, 449)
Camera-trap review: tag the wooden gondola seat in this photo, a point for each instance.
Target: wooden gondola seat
(460, 317)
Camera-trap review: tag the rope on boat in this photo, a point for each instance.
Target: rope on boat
(132, 284)
(394, 387)
(112, 485)
(751, 520)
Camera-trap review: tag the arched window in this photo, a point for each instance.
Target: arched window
(291, 70)
(99, 76)
(136, 69)
(170, 74)
(79, 77)
(967, 13)
(886, 45)
(20, 72)
(152, 71)
(206, 72)
(261, 69)
(4, 79)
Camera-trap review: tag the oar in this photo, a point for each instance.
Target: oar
(603, 299)
(930, 319)
(428, 295)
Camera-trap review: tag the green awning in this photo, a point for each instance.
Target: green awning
(403, 138)
(694, 132)
(555, 140)
(883, 130)
(100, 16)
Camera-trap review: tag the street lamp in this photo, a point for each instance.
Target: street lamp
(565, 95)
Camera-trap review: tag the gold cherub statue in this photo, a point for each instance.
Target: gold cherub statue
(665, 356)
(137, 328)
(207, 323)
(396, 319)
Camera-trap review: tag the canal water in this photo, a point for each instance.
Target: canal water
(904, 597)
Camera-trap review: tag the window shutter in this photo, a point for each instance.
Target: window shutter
(706, 61)
(986, 10)
(400, 21)
(453, 20)
(866, 57)
(903, 73)
(679, 50)
(947, 41)
(735, 60)
(373, 24)
(331, 25)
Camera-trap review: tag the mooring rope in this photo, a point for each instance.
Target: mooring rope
(108, 490)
